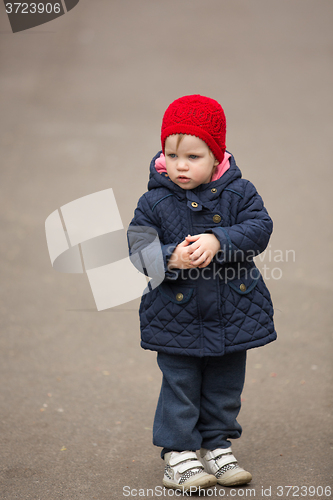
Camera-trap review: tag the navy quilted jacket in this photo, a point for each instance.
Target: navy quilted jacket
(226, 306)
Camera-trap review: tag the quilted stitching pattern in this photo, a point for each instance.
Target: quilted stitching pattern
(216, 319)
(246, 315)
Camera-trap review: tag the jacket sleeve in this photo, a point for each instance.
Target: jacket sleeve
(148, 251)
(251, 233)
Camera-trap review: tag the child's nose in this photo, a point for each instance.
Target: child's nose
(182, 164)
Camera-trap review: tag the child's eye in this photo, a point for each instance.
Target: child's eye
(171, 155)
(193, 157)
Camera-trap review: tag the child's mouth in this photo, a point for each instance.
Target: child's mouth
(183, 179)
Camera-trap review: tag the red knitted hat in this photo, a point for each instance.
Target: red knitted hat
(196, 115)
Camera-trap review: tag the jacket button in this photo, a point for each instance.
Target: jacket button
(179, 297)
(217, 218)
(213, 190)
(194, 204)
(242, 287)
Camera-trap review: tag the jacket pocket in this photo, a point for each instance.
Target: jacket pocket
(178, 294)
(242, 307)
(244, 284)
(171, 318)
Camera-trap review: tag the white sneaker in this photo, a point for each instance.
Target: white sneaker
(224, 466)
(183, 470)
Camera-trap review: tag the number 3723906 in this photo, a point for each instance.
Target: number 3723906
(303, 491)
(32, 8)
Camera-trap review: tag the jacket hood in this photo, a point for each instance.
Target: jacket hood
(157, 180)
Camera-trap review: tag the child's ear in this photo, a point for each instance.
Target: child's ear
(216, 163)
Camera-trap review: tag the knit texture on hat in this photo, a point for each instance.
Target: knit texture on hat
(200, 116)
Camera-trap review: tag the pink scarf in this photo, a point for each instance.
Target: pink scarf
(219, 171)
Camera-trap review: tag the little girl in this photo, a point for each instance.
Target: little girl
(212, 304)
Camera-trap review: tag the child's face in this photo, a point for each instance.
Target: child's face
(191, 164)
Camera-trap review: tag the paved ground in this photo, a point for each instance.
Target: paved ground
(81, 104)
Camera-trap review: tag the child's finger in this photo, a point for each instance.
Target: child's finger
(195, 254)
(195, 237)
(206, 253)
(199, 259)
(204, 264)
(183, 243)
(197, 249)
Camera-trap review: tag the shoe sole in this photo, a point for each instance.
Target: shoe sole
(198, 482)
(242, 477)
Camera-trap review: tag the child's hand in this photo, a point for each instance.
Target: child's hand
(203, 248)
(181, 257)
